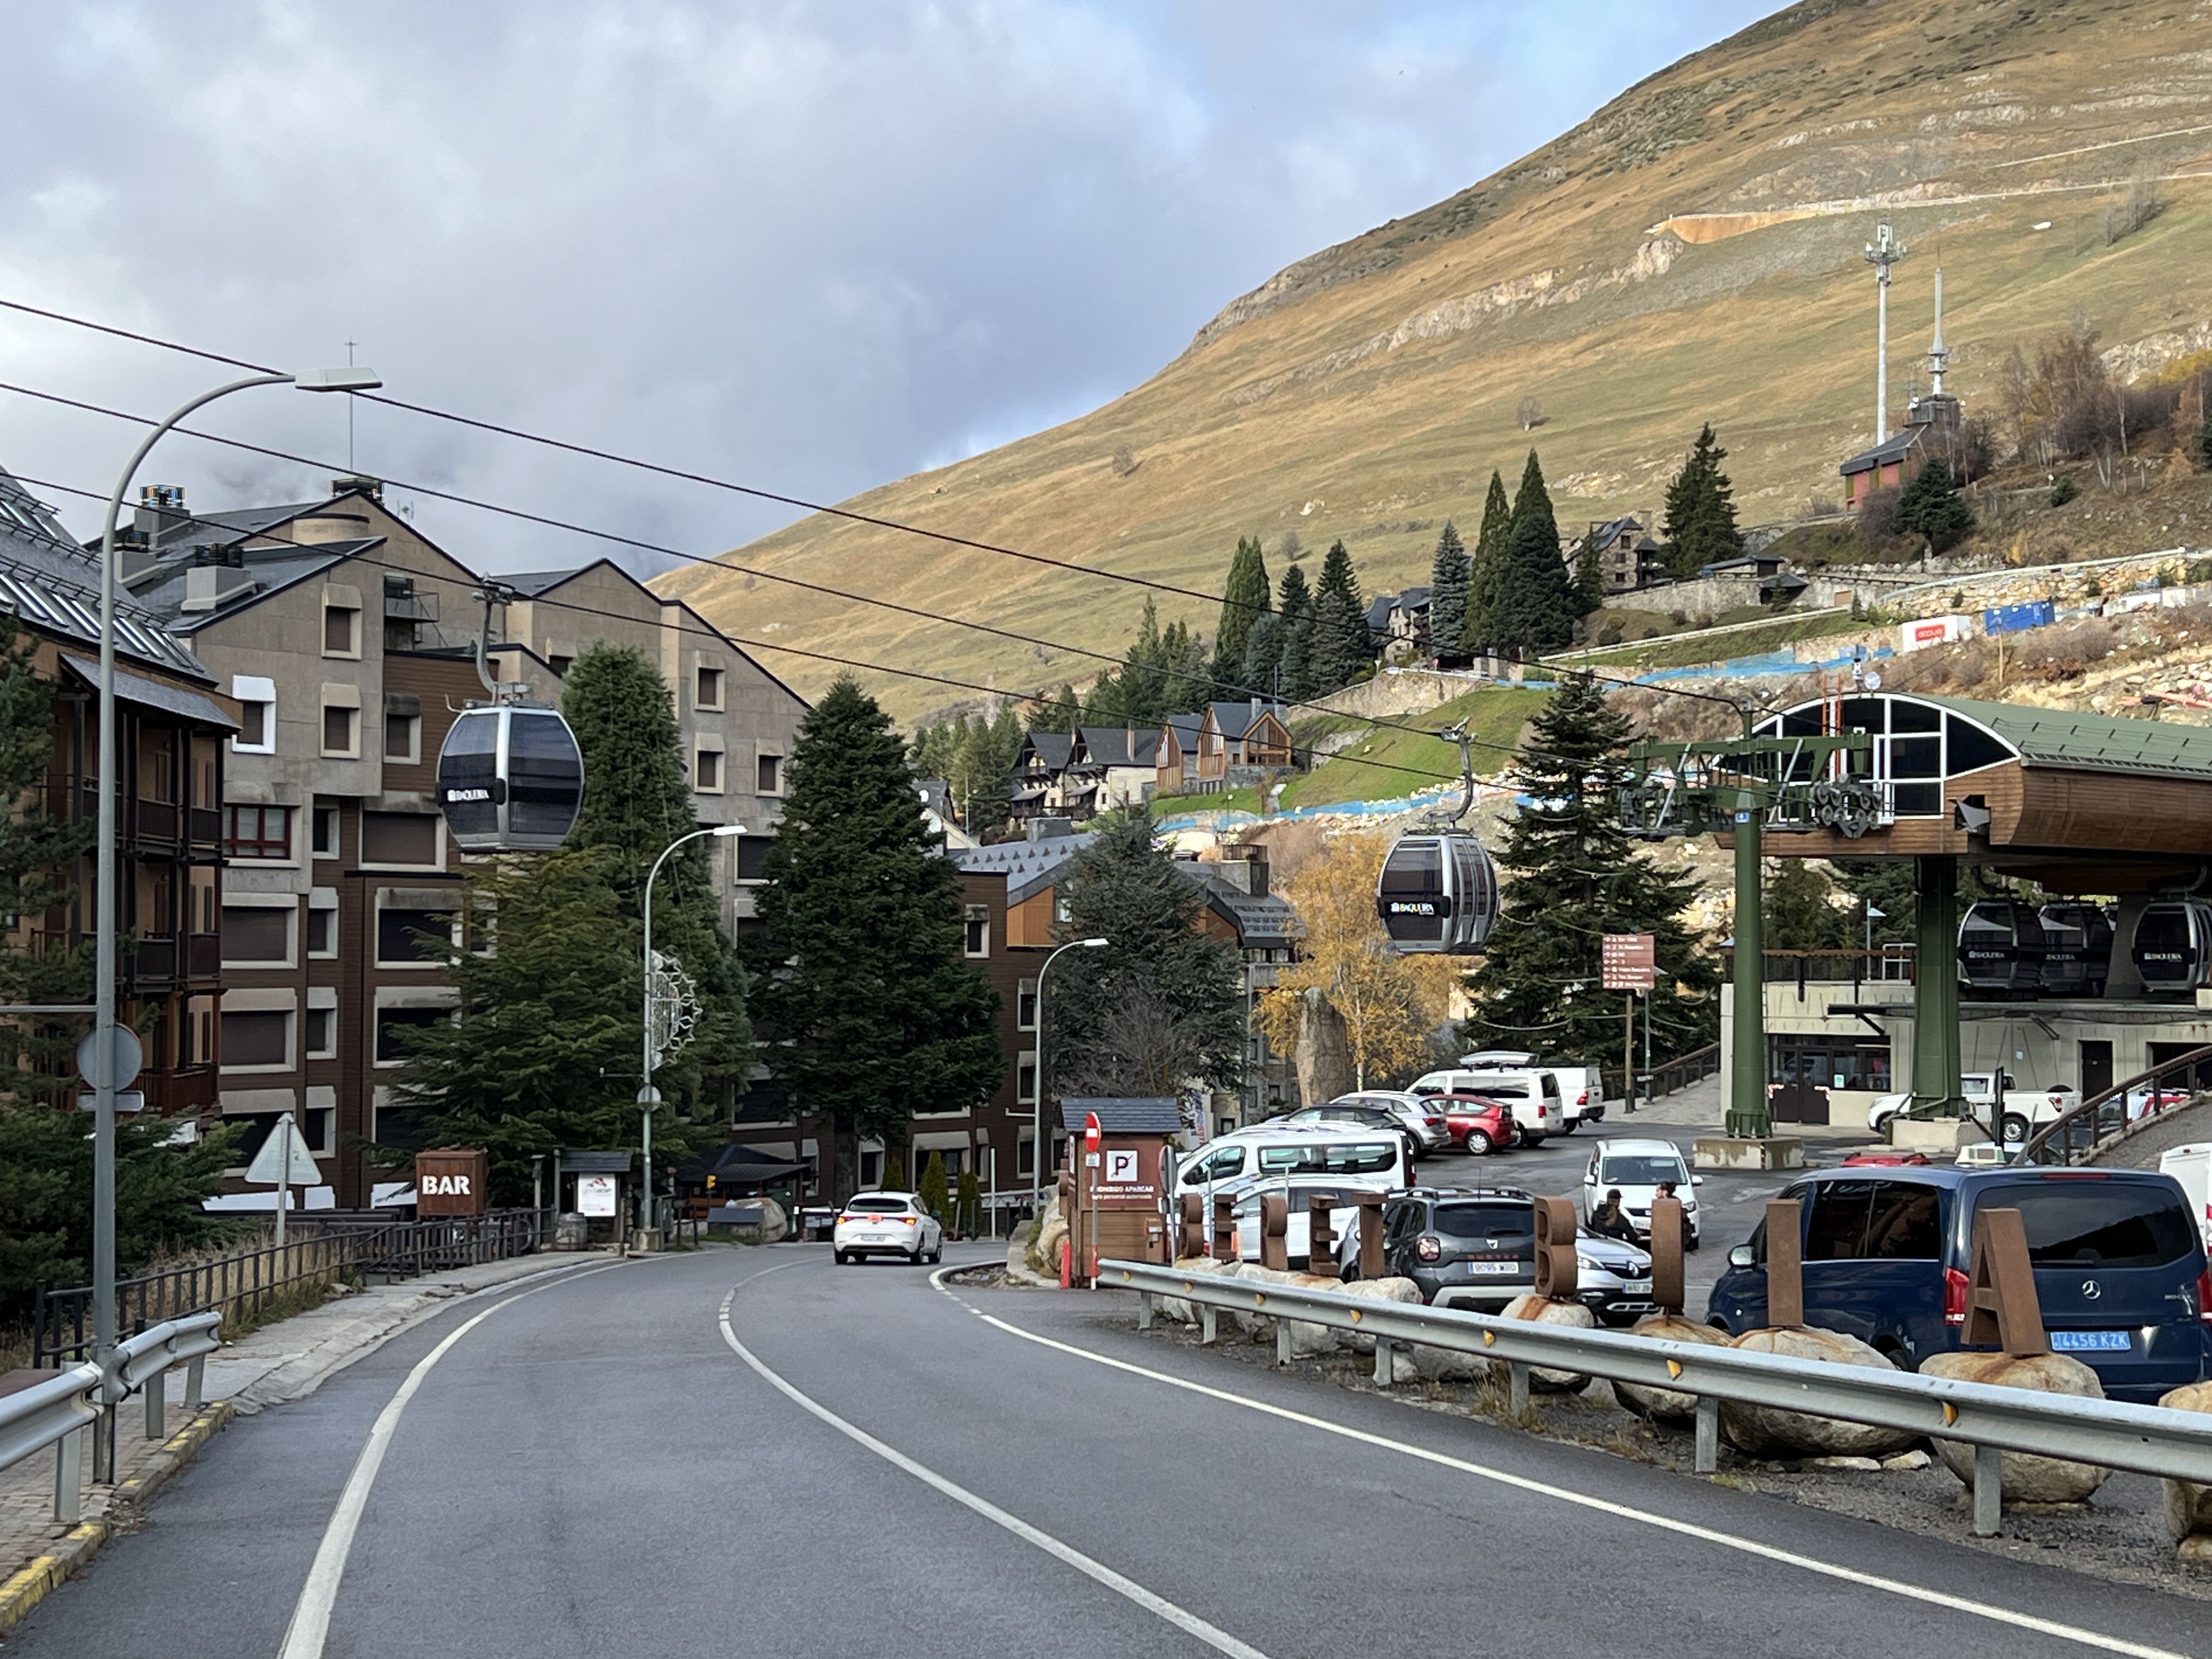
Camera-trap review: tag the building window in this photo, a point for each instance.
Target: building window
(1025, 1079)
(1025, 1005)
(253, 936)
(707, 693)
(560, 665)
(341, 630)
(257, 832)
(399, 838)
(768, 774)
(325, 823)
(403, 737)
(319, 1128)
(394, 1042)
(322, 1035)
(1063, 908)
(253, 725)
(410, 938)
(257, 1037)
(707, 773)
(752, 859)
(979, 930)
(1026, 1157)
(340, 728)
(1827, 1062)
(257, 714)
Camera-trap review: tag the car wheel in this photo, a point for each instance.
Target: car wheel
(937, 1255)
(1692, 1241)
(841, 1258)
(1477, 1142)
(2013, 1127)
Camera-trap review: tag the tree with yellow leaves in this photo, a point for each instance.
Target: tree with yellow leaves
(1389, 1003)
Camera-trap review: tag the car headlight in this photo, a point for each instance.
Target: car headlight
(1591, 1265)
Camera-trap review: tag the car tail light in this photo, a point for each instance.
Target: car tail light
(2205, 1297)
(2076, 1175)
(906, 1221)
(1955, 1287)
(1582, 1099)
(1429, 1247)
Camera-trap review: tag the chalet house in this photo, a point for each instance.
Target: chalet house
(1628, 554)
(1123, 759)
(1040, 764)
(1079, 775)
(1931, 427)
(1175, 755)
(1238, 740)
(1400, 617)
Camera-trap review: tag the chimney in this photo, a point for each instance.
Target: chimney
(1050, 828)
(212, 587)
(372, 487)
(161, 510)
(1938, 358)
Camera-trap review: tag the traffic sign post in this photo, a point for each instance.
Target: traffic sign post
(1628, 962)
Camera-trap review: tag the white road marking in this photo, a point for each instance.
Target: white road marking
(310, 1617)
(1604, 1506)
(1220, 1640)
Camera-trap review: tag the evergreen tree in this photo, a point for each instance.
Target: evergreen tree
(1164, 673)
(1296, 659)
(1448, 587)
(1589, 579)
(1245, 599)
(984, 769)
(967, 1204)
(1163, 1000)
(1062, 713)
(874, 1013)
(1486, 579)
(1931, 506)
(1263, 654)
(1341, 643)
(1700, 523)
(1536, 606)
(2204, 439)
(933, 1189)
(1797, 910)
(1573, 875)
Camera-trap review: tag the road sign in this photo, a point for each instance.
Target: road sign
(272, 1168)
(1091, 1131)
(595, 1195)
(127, 1101)
(128, 1057)
(1627, 961)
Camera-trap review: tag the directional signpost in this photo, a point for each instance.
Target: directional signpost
(1629, 963)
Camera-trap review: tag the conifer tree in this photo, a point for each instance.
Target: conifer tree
(1340, 644)
(1536, 604)
(1589, 579)
(1448, 587)
(1063, 712)
(874, 1013)
(967, 1204)
(1245, 599)
(1572, 875)
(1931, 506)
(1295, 607)
(1798, 909)
(1263, 655)
(933, 1189)
(1699, 521)
(1486, 579)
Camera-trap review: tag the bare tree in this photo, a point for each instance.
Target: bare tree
(1148, 1046)
(1531, 413)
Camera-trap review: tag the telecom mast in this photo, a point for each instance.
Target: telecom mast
(1881, 253)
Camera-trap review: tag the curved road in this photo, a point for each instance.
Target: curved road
(749, 1451)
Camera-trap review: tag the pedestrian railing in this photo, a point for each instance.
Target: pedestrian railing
(2107, 1116)
(2148, 1439)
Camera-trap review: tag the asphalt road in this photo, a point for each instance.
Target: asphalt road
(595, 1467)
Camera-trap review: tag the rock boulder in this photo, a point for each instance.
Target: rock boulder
(1543, 1310)
(2189, 1505)
(2026, 1478)
(1668, 1405)
(1764, 1432)
(1177, 1308)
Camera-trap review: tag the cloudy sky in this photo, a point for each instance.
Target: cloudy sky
(811, 245)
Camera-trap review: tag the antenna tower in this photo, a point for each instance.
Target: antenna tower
(1881, 253)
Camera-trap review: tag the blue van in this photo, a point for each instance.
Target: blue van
(2120, 1267)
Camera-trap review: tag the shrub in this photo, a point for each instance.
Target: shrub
(1877, 519)
(2064, 491)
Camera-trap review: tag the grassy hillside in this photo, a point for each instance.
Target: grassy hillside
(1389, 762)
(1692, 251)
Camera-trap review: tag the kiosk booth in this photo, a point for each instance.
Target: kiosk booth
(1115, 1193)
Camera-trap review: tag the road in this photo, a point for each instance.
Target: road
(748, 1451)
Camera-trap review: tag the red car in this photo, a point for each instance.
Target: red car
(1476, 1123)
(1886, 1158)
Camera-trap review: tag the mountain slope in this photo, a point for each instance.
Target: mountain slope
(1690, 252)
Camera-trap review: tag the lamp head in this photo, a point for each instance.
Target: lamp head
(725, 831)
(1093, 944)
(337, 379)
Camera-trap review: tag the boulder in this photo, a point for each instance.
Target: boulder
(1667, 1405)
(1764, 1432)
(1185, 1312)
(1377, 1290)
(2026, 1478)
(1308, 1340)
(2189, 1505)
(1543, 1310)
(1045, 1240)
(775, 1224)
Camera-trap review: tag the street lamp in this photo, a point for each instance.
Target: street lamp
(1872, 914)
(103, 1068)
(1036, 1110)
(648, 1095)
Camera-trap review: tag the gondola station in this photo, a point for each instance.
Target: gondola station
(2103, 972)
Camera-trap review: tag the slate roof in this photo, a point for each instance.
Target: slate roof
(1123, 1115)
(1030, 867)
(1119, 745)
(1378, 612)
(1051, 749)
(271, 569)
(1236, 719)
(531, 583)
(1893, 448)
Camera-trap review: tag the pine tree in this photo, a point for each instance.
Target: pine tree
(1295, 608)
(1797, 908)
(1589, 579)
(2204, 439)
(1340, 645)
(1448, 587)
(1063, 714)
(1486, 580)
(933, 1189)
(874, 1013)
(967, 1204)
(1536, 605)
(985, 769)
(1699, 522)
(1571, 875)
(1165, 672)
(1246, 597)
(1931, 506)
(1163, 1000)
(1263, 654)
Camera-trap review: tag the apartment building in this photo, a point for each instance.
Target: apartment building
(347, 638)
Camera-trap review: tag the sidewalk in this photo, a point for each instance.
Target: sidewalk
(1703, 1106)
(286, 1360)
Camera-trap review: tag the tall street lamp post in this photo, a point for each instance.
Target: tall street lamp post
(104, 1079)
(1036, 1109)
(648, 1095)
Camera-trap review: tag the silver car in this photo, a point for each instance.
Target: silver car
(1426, 1123)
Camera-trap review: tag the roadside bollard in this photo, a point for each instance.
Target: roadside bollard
(157, 1405)
(1205, 1323)
(69, 1476)
(1708, 1435)
(1144, 1310)
(195, 1382)
(1386, 1370)
(1517, 1386)
(1282, 1341)
(1988, 1491)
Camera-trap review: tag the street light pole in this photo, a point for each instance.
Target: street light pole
(647, 1098)
(103, 1079)
(1036, 1108)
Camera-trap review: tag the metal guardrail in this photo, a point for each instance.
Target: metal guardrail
(33, 1418)
(2147, 1439)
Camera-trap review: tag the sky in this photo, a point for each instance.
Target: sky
(811, 245)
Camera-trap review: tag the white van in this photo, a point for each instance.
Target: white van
(1532, 1094)
(2192, 1167)
(1359, 1158)
(1581, 1088)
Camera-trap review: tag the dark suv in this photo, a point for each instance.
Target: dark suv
(2120, 1268)
(1475, 1248)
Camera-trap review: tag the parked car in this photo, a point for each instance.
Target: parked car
(1477, 1123)
(886, 1224)
(1379, 1118)
(2024, 1111)
(1884, 1158)
(1428, 1126)
(1581, 1088)
(1297, 1225)
(1635, 1169)
(1226, 1166)
(1475, 1246)
(2120, 1267)
(1533, 1094)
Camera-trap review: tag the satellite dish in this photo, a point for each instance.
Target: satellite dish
(1874, 680)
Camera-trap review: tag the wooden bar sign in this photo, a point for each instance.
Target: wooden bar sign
(2002, 1309)
(1785, 1264)
(1555, 1248)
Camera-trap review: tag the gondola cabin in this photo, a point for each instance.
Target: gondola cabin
(2002, 948)
(510, 779)
(2077, 949)
(2173, 944)
(1438, 894)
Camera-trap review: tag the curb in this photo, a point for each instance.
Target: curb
(24, 1590)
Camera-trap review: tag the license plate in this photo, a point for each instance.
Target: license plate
(2090, 1342)
(1635, 1285)
(1494, 1269)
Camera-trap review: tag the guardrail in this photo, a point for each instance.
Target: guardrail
(2147, 1439)
(2104, 1117)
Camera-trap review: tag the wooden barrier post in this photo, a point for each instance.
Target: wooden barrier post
(1371, 1262)
(1274, 1229)
(1224, 1229)
(1190, 1233)
(1785, 1264)
(1321, 1235)
(2003, 1310)
(1669, 1293)
(1555, 1248)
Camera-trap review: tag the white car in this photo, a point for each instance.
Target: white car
(1297, 1223)
(886, 1224)
(2026, 1110)
(1634, 1169)
(1581, 1088)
